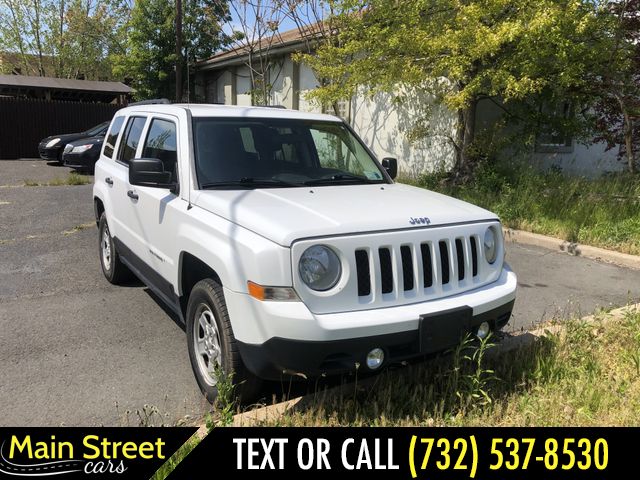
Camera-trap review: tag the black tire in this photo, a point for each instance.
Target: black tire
(205, 294)
(114, 270)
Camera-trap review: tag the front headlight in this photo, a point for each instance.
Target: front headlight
(81, 148)
(51, 143)
(490, 244)
(320, 268)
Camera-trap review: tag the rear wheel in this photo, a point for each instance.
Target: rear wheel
(112, 267)
(212, 345)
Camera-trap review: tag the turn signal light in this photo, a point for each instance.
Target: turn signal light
(277, 294)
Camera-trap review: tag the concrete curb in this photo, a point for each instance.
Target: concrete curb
(576, 249)
(271, 412)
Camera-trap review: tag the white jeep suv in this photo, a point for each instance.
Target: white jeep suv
(286, 248)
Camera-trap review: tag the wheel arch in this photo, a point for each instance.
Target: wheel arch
(191, 270)
(98, 208)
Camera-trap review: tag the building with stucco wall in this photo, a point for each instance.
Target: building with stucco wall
(384, 124)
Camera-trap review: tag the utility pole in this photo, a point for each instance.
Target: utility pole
(178, 50)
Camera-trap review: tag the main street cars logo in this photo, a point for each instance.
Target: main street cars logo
(53, 457)
(75, 453)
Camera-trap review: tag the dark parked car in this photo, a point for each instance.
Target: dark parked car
(51, 148)
(82, 154)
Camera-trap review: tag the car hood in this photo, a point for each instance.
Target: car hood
(66, 138)
(284, 215)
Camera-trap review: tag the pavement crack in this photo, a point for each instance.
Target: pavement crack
(76, 229)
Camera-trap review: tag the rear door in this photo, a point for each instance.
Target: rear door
(126, 234)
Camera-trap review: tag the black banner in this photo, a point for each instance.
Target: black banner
(74, 453)
(423, 453)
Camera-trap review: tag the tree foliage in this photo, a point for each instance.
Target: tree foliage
(62, 38)
(461, 51)
(149, 58)
(616, 86)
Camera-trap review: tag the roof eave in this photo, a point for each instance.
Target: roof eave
(214, 64)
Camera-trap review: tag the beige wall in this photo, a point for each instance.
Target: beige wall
(386, 125)
(589, 160)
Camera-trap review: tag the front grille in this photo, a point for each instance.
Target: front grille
(402, 267)
(456, 259)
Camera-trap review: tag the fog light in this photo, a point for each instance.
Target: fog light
(375, 358)
(483, 330)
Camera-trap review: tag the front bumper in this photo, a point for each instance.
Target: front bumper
(80, 160)
(279, 357)
(52, 153)
(275, 337)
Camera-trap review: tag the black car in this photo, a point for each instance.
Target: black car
(82, 154)
(51, 148)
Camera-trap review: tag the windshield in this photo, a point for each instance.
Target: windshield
(97, 130)
(272, 153)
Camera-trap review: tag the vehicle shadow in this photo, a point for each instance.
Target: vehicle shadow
(430, 390)
(170, 313)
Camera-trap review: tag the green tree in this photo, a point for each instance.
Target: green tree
(460, 51)
(150, 57)
(616, 84)
(62, 38)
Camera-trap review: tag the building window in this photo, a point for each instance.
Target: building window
(343, 108)
(550, 139)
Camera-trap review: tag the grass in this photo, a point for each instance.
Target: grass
(72, 179)
(603, 212)
(587, 375)
(221, 416)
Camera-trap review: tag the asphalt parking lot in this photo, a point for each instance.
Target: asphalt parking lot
(75, 350)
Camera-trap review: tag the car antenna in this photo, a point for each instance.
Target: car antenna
(188, 81)
(190, 129)
(189, 206)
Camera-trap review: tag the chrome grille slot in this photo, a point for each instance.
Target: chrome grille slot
(460, 257)
(427, 265)
(386, 270)
(363, 270)
(444, 261)
(407, 267)
(474, 256)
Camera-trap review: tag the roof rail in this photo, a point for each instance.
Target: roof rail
(275, 106)
(153, 101)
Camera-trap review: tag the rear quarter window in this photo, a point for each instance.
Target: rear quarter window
(114, 131)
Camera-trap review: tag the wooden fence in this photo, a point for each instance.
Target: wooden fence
(24, 122)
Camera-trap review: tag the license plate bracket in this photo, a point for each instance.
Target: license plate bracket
(441, 330)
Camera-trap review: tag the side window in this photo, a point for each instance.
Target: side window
(110, 142)
(131, 139)
(336, 151)
(161, 144)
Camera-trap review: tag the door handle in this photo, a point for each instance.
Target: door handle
(108, 181)
(132, 194)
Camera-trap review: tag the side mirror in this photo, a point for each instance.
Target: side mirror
(391, 166)
(149, 172)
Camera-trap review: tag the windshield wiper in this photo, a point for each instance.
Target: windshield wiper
(340, 177)
(246, 182)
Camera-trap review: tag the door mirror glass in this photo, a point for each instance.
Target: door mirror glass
(391, 166)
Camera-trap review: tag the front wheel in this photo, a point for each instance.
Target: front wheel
(212, 346)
